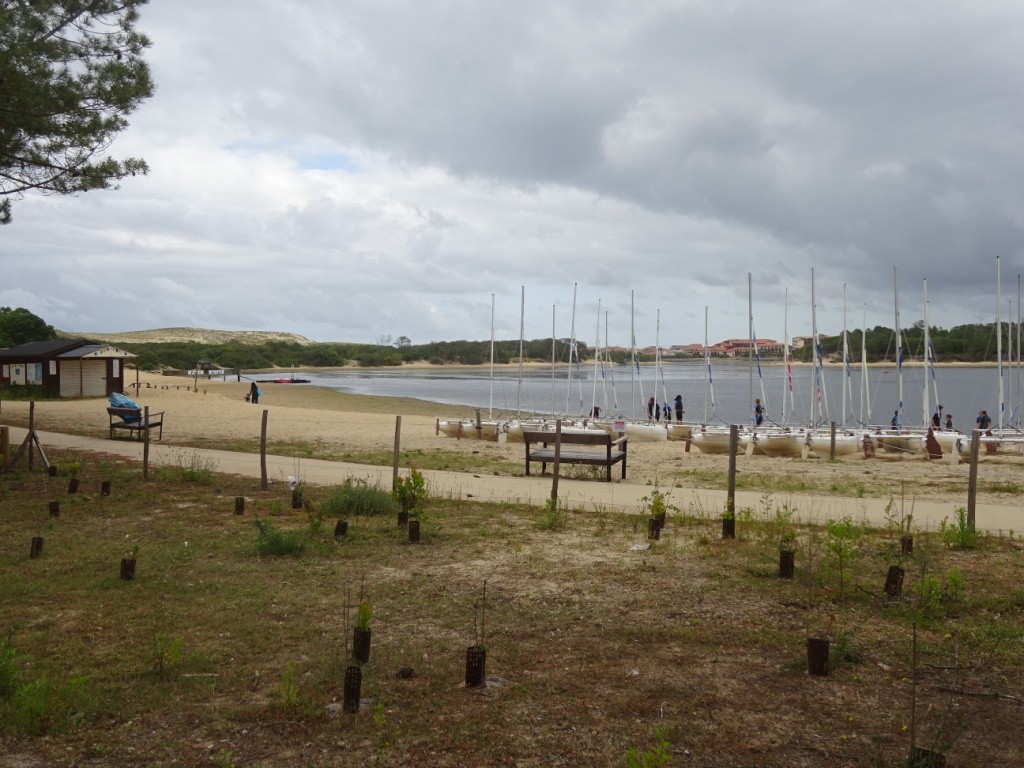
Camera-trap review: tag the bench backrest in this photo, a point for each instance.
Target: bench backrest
(124, 411)
(571, 438)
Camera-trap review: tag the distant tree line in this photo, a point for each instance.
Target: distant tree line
(962, 343)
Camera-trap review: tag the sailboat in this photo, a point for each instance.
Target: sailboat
(898, 439)
(477, 428)
(779, 441)
(651, 431)
(711, 439)
(845, 441)
(948, 441)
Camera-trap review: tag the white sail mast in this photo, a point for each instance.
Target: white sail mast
(927, 362)
(847, 387)
(597, 358)
(899, 345)
(707, 364)
(999, 342)
(865, 399)
(572, 351)
(553, 361)
(490, 397)
(787, 382)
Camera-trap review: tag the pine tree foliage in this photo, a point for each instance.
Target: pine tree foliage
(71, 71)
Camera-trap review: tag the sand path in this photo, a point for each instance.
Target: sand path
(299, 413)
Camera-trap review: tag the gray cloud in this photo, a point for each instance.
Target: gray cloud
(351, 169)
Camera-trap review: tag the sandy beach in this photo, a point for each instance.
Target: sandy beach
(299, 413)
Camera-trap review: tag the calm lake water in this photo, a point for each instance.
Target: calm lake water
(963, 390)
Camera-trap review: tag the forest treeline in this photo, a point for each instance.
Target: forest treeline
(962, 343)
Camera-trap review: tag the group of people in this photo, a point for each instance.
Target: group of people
(942, 420)
(656, 411)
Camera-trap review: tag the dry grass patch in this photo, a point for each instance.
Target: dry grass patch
(217, 656)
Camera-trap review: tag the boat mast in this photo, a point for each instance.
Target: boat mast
(847, 389)
(865, 399)
(552, 401)
(926, 404)
(659, 371)
(522, 331)
(634, 364)
(1018, 399)
(707, 363)
(753, 348)
(750, 342)
(490, 397)
(572, 350)
(999, 341)
(597, 358)
(611, 371)
(787, 385)
(899, 345)
(815, 383)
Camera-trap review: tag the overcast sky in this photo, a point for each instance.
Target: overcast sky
(350, 169)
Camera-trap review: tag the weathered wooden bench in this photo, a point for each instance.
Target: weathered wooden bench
(576, 448)
(134, 420)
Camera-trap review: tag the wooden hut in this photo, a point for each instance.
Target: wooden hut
(65, 368)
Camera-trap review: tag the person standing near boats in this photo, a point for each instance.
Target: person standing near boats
(679, 408)
(984, 421)
(949, 422)
(937, 418)
(758, 412)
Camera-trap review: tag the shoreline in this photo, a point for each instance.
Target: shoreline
(319, 421)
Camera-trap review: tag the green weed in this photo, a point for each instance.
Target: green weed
(277, 543)
(357, 497)
(553, 518)
(959, 534)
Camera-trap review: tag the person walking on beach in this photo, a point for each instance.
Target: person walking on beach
(254, 394)
(758, 412)
(679, 408)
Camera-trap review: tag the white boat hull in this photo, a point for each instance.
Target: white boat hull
(779, 444)
(468, 429)
(846, 443)
(711, 442)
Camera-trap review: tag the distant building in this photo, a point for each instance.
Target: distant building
(742, 348)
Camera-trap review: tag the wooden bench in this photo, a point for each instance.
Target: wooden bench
(134, 420)
(613, 453)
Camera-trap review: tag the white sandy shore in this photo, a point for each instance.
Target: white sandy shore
(297, 412)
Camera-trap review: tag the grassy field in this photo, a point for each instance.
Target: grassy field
(604, 647)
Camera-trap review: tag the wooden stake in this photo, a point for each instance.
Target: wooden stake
(558, 461)
(263, 452)
(972, 478)
(394, 458)
(734, 442)
(145, 445)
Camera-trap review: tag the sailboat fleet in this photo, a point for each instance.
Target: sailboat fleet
(820, 435)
